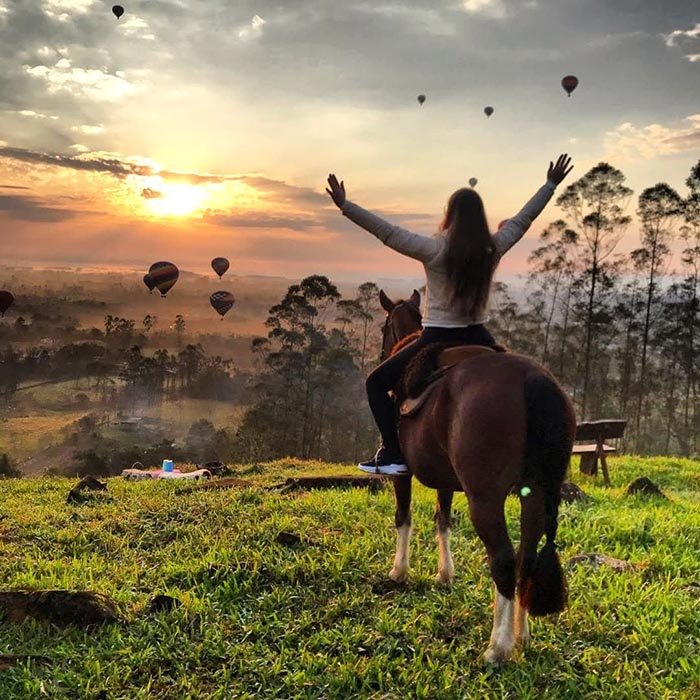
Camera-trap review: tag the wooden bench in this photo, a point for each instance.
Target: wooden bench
(594, 434)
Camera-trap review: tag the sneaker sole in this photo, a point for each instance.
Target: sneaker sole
(386, 470)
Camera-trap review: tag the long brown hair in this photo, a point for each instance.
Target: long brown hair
(471, 256)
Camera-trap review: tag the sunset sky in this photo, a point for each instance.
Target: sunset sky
(188, 130)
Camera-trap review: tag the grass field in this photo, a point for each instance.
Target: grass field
(260, 620)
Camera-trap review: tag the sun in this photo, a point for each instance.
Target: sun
(166, 199)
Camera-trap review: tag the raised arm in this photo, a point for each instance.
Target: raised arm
(413, 245)
(514, 229)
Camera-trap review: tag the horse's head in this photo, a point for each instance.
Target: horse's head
(403, 319)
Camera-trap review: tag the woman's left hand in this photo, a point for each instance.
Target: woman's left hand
(336, 191)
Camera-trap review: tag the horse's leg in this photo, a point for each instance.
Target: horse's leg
(443, 520)
(402, 490)
(532, 523)
(490, 524)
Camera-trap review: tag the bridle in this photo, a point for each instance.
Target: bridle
(389, 331)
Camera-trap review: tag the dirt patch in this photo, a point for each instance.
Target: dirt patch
(62, 608)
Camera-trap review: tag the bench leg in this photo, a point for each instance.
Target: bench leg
(604, 465)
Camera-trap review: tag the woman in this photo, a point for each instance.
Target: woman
(459, 264)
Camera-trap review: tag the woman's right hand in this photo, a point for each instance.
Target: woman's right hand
(558, 172)
(336, 191)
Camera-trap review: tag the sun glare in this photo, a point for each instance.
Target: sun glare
(176, 200)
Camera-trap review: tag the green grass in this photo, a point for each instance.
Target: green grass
(259, 620)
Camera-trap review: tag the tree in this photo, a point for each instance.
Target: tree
(658, 208)
(179, 326)
(595, 203)
(357, 317)
(552, 264)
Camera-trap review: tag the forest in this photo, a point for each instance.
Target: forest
(620, 330)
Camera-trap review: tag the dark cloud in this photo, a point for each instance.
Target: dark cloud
(20, 208)
(260, 220)
(13, 187)
(149, 193)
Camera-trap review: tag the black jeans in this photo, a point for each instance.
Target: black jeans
(386, 376)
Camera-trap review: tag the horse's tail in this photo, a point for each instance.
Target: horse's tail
(550, 432)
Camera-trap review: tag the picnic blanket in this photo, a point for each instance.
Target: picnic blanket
(134, 474)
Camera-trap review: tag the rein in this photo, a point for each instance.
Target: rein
(389, 330)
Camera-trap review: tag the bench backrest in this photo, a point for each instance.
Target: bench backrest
(603, 429)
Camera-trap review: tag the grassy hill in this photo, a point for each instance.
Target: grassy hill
(261, 620)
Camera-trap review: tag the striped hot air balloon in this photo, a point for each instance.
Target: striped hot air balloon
(222, 302)
(220, 266)
(164, 275)
(6, 301)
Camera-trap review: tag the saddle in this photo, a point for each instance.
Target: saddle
(418, 388)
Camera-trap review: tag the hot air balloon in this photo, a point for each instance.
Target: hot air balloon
(421, 99)
(149, 282)
(473, 181)
(6, 301)
(503, 223)
(488, 111)
(222, 302)
(220, 266)
(569, 84)
(118, 11)
(163, 275)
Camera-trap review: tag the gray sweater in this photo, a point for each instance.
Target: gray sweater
(440, 310)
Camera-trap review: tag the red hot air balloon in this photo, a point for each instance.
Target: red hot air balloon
(569, 83)
(149, 282)
(118, 11)
(6, 301)
(488, 111)
(163, 275)
(503, 223)
(222, 302)
(421, 99)
(220, 266)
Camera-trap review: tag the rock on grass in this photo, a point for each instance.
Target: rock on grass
(645, 487)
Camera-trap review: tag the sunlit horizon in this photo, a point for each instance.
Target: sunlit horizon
(187, 132)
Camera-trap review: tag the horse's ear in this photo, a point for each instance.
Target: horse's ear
(415, 298)
(387, 304)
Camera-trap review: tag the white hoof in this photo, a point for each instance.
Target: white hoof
(399, 575)
(444, 578)
(497, 655)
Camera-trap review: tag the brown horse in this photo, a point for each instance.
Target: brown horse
(498, 423)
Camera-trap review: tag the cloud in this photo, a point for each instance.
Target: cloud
(89, 130)
(247, 219)
(254, 29)
(36, 115)
(138, 28)
(21, 208)
(628, 141)
(488, 8)
(82, 82)
(64, 10)
(685, 37)
(672, 38)
(418, 19)
(148, 193)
